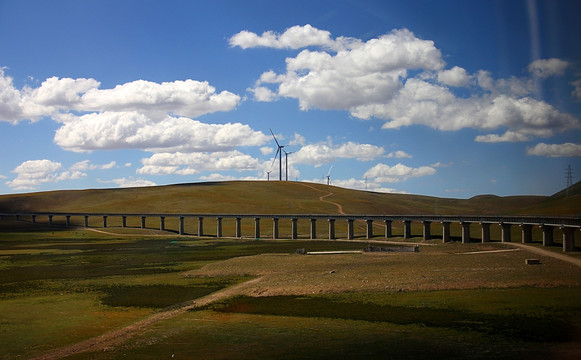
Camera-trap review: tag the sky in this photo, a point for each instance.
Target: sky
(441, 98)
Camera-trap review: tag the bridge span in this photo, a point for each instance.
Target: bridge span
(567, 225)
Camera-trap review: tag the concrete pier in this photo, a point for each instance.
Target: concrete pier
(294, 229)
(427, 230)
(331, 229)
(505, 228)
(547, 235)
(568, 238)
(238, 227)
(162, 223)
(387, 229)
(68, 220)
(350, 230)
(485, 232)
(257, 228)
(86, 220)
(445, 231)
(143, 222)
(200, 226)
(33, 218)
(527, 233)
(181, 225)
(313, 229)
(407, 229)
(369, 232)
(465, 232)
(124, 221)
(275, 228)
(104, 221)
(50, 220)
(219, 227)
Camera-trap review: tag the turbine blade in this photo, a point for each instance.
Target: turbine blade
(274, 138)
(273, 160)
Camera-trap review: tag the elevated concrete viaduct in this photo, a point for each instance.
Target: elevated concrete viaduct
(568, 225)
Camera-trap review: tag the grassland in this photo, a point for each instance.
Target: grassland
(61, 286)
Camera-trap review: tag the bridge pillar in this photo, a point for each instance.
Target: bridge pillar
(568, 238)
(257, 228)
(427, 232)
(369, 232)
(86, 220)
(445, 231)
(294, 230)
(275, 228)
(331, 229)
(162, 223)
(527, 233)
(485, 232)
(407, 229)
(547, 235)
(465, 232)
(143, 222)
(33, 219)
(123, 221)
(68, 221)
(219, 227)
(104, 221)
(181, 226)
(505, 232)
(200, 226)
(50, 219)
(238, 227)
(350, 231)
(313, 228)
(387, 228)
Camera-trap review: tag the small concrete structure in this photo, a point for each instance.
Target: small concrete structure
(407, 229)
(506, 237)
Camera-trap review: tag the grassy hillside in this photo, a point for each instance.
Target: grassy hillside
(280, 198)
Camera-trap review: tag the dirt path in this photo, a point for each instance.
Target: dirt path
(549, 253)
(322, 198)
(117, 337)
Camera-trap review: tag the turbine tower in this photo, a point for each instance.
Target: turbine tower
(329, 176)
(286, 154)
(279, 153)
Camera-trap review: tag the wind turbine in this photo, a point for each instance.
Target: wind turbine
(279, 153)
(268, 175)
(286, 154)
(329, 175)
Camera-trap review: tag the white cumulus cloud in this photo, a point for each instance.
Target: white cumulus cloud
(555, 150)
(134, 130)
(544, 68)
(383, 173)
(319, 154)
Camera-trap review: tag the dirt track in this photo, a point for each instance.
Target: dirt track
(116, 337)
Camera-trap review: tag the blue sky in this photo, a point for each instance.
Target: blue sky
(441, 98)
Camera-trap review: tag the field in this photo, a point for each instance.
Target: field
(132, 293)
(63, 286)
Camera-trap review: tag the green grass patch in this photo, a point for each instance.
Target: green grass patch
(540, 321)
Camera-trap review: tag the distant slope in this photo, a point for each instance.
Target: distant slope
(274, 197)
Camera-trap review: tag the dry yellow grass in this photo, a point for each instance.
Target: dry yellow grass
(442, 267)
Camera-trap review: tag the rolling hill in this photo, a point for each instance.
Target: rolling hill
(274, 197)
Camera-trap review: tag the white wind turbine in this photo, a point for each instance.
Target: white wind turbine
(279, 153)
(329, 175)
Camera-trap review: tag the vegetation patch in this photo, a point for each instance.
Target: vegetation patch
(551, 327)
